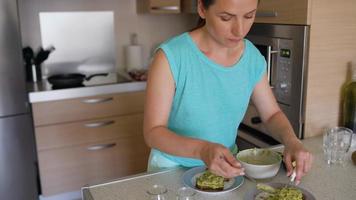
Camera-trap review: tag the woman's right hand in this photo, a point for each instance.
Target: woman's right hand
(220, 161)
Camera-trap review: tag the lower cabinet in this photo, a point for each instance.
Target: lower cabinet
(69, 169)
(96, 150)
(88, 131)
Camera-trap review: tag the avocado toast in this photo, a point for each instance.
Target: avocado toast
(210, 182)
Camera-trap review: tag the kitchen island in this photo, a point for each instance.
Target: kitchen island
(324, 182)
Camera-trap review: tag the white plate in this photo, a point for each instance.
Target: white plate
(190, 177)
(253, 193)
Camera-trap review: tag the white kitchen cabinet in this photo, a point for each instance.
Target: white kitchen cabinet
(89, 140)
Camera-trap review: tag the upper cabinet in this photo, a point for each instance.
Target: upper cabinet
(269, 11)
(159, 6)
(283, 12)
(166, 6)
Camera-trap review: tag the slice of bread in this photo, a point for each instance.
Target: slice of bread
(210, 182)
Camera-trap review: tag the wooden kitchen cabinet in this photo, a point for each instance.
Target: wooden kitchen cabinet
(55, 112)
(75, 133)
(283, 12)
(331, 49)
(68, 169)
(89, 140)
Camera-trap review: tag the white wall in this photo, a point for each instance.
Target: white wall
(151, 29)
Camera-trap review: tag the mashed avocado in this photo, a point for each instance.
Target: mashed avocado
(260, 157)
(284, 193)
(287, 194)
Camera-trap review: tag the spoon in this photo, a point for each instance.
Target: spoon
(294, 174)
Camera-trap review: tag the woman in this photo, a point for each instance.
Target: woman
(198, 89)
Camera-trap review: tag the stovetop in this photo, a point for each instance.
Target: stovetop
(111, 78)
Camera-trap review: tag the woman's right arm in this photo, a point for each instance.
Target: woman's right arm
(159, 97)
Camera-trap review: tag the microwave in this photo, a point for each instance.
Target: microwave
(285, 48)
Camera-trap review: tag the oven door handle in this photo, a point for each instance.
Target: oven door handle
(269, 60)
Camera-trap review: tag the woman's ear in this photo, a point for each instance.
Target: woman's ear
(201, 9)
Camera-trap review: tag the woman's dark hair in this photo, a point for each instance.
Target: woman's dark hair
(206, 4)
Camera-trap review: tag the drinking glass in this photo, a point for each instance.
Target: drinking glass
(157, 192)
(185, 193)
(336, 143)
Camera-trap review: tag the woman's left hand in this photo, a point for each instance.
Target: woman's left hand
(295, 151)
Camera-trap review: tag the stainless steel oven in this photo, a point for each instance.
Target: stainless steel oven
(285, 48)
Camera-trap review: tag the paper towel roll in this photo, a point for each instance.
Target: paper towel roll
(134, 60)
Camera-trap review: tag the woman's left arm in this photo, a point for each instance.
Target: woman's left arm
(280, 128)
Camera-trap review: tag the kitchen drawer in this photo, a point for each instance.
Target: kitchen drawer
(69, 169)
(283, 11)
(69, 134)
(55, 112)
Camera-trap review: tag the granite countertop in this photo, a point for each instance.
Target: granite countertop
(113, 83)
(325, 182)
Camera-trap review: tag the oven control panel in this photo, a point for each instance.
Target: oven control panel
(283, 72)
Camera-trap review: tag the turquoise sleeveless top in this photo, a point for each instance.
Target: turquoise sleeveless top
(210, 100)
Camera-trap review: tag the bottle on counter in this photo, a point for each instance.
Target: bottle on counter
(349, 106)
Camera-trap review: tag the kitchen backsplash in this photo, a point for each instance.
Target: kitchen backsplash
(151, 29)
(84, 42)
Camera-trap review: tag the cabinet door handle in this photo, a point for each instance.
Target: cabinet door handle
(169, 8)
(270, 13)
(99, 124)
(101, 146)
(97, 100)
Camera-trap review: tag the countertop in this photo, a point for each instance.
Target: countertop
(42, 91)
(325, 182)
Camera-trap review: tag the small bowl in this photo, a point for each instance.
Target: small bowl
(260, 163)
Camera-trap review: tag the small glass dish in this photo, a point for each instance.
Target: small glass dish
(185, 193)
(157, 192)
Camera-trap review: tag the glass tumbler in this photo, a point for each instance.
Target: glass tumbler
(336, 143)
(157, 192)
(185, 193)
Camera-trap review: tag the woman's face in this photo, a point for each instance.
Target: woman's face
(228, 21)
